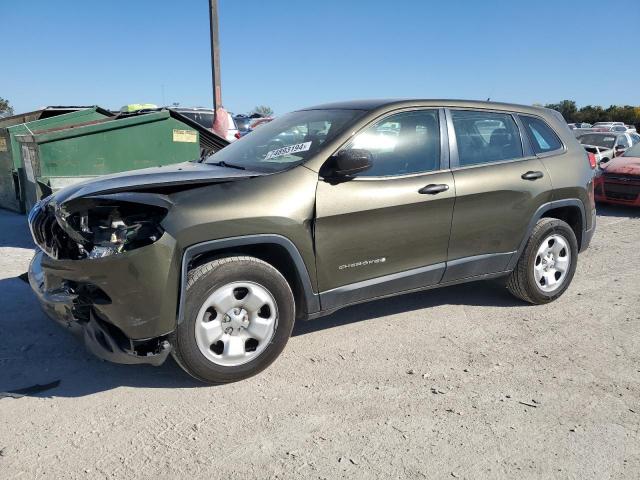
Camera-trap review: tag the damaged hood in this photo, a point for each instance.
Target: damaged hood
(623, 166)
(187, 173)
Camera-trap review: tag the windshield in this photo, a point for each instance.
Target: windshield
(633, 151)
(286, 141)
(203, 118)
(606, 141)
(243, 123)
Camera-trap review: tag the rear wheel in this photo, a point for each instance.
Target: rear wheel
(547, 264)
(239, 313)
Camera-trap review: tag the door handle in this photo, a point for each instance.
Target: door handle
(434, 188)
(532, 175)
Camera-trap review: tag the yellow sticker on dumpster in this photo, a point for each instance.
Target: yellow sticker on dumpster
(189, 136)
(3, 144)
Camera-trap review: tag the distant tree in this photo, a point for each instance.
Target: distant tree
(263, 110)
(567, 108)
(6, 110)
(591, 114)
(628, 114)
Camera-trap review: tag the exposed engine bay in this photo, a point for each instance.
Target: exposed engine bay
(95, 228)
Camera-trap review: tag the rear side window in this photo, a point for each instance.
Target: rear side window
(543, 138)
(485, 137)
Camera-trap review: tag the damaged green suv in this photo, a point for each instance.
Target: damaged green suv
(213, 261)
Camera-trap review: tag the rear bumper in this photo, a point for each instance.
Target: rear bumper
(587, 235)
(71, 306)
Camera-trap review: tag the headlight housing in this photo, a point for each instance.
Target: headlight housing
(100, 228)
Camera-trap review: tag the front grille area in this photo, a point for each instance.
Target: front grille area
(46, 231)
(621, 177)
(621, 191)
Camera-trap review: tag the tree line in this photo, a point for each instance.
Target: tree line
(6, 110)
(628, 114)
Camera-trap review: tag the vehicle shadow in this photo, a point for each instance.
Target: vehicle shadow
(481, 293)
(15, 230)
(37, 351)
(620, 211)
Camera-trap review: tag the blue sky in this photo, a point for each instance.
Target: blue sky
(294, 53)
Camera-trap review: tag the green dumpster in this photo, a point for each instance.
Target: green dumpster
(58, 157)
(11, 170)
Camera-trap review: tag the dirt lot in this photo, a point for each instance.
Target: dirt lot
(463, 382)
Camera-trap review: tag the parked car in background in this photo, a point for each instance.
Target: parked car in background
(243, 123)
(204, 116)
(607, 145)
(631, 129)
(257, 122)
(618, 180)
(607, 125)
(578, 125)
(618, 128)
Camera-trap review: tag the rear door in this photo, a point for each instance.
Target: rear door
(500, 183)
(382, 231)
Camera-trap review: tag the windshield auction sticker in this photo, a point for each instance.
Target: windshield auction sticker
(291, 149)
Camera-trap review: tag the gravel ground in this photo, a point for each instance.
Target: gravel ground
(462, 382)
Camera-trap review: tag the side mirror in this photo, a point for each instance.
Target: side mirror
(349, 162)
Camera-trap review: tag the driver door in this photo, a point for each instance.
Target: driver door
(387, 229)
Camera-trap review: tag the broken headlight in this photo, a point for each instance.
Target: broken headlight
(101, 228)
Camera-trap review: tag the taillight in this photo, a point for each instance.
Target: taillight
(237, 135)
(592, 160)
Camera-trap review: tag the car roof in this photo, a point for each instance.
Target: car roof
(604, 133)
(375, 104)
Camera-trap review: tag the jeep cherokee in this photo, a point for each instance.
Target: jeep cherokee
(213, 260)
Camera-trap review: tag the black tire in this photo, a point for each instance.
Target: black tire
(522, 283)
(204, 280)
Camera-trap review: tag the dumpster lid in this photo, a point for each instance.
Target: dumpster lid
(209, 141)
(47, 112)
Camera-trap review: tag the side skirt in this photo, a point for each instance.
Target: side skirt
(415, 280)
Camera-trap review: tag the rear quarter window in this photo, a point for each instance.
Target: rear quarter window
(543, 138)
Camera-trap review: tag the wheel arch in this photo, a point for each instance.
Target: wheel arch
(277, 250)
(569, 210)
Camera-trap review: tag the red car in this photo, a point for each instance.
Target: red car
(618, 180)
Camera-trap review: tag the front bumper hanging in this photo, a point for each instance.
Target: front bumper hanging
(66, 305)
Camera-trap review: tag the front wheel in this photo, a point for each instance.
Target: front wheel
(547, 264)
(239, 313)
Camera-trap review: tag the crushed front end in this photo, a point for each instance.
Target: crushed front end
(103, 269)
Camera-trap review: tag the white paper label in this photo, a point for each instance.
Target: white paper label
(280, 152)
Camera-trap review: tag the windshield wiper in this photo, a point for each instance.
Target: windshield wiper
(222, 163)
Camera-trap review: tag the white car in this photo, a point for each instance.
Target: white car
(608, 145)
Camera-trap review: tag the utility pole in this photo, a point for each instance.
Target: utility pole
(215, 56)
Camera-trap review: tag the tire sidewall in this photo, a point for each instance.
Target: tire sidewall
(553, 227)
(250, 270)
